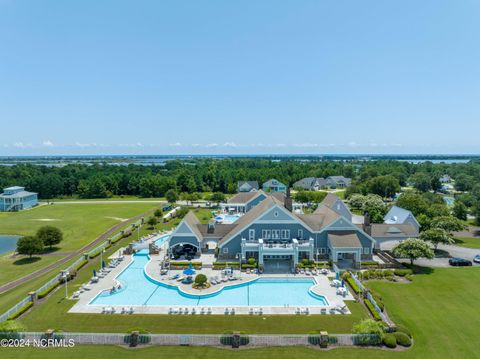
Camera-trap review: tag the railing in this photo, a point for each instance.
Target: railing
(336, 340)
(15, 308)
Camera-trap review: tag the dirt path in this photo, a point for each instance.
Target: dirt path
(101, 238)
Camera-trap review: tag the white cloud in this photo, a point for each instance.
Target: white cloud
(209, 145)
(229, 144)
(176, 144)
(48, 143)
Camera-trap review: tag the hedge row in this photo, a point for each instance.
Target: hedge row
(372, 310)
(354, 285)
(196, 265)
(47, 291)
(21, 311)
(81, 264)
(98, 251)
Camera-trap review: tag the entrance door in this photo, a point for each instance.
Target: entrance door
(340, 256)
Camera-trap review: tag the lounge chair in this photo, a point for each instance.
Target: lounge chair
(209, 310)
(341, 308)
(112, 310)
(323, 311)
(170, 311)
(227, 311)
(193, 311)
(307, 311)
(250, 311)
(104, 310)
(76, 294)
(297, 311)
(247, 271)
(202, 311)
(180, 311)
(186, 311)
(260, 311)
(232, 312)
(332, 310)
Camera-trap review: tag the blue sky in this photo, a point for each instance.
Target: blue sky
(171, 77)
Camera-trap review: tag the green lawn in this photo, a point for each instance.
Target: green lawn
(80, 223)
(468, 242)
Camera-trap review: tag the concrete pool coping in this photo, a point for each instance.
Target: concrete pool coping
(322, 288)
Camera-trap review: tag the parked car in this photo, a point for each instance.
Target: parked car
(459, 262)
(476, 259)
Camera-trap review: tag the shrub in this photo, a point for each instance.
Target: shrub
(200, 279)
(372, 310)
(371, 332)
(48, 290)
(401, 328)
(81, 264)
(402, 272)
(403, 339)
(21, 311)
(354, 285)
(409, 277)
(11, 329)
(390, 341)
(226, 338)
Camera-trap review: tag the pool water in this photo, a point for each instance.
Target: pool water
(162, 240)
(138, 289)
(227, 218)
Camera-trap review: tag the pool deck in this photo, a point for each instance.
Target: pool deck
(322, 287)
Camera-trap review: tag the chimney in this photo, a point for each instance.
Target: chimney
(367, 227)
(288, 201)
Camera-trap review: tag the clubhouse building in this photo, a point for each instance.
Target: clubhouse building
(271, 232)
(16, 199)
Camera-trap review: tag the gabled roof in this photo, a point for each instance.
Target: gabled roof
(319, 219)
(249, 217)
(398, 215)
(348, 239)
(248, 184)
(309, 182)
(330, 200)
(19, 194)
(273, 183)
(337, 179)
(245, 197)
(384, 230)
(192, 221)
(219, 231)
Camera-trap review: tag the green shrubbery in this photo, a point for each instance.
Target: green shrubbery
(21, 311)
(372, 310)
(401, 328)
(48, 290)
(11, 329)
(390, 341)
(81, 264)
(222, 265)
(352, 284)
(403, 272)
(402, 339)
(196, 265)
(227, 338)
(377, 274)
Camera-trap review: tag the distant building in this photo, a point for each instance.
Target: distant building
(445, 179)
(311, 183)
(16, 199)
(338, 181)
(274, 186)
(397, 215)
(247, 186)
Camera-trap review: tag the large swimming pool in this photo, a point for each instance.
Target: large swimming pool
(162, 240)
(138, 289)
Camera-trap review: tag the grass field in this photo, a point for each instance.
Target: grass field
(468, 242)
(80, 223)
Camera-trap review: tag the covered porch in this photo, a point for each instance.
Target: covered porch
(345, 249)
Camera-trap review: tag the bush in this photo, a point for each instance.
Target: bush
(21, 311)
(401, 328)
(402, 272)
(390, 341)
(369, 332)
(200, 279)
(403, 339)
(372, 310)
(48, 290)
(11, 329)
(354, 285)
(81, 264)
(251, 261)
(226, 338)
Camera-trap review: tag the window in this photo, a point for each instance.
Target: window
(285, 234)
(275, 234)
(225, 250)
(266, 233)
(275, 213)
(300, 234)
(251, 234)
(323, 250)
(366, 250)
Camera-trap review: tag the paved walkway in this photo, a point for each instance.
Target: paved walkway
(322, 287)
(454, 251)
(101, 238)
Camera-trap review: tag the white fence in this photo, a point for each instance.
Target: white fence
(335, 340)
(15, 308)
